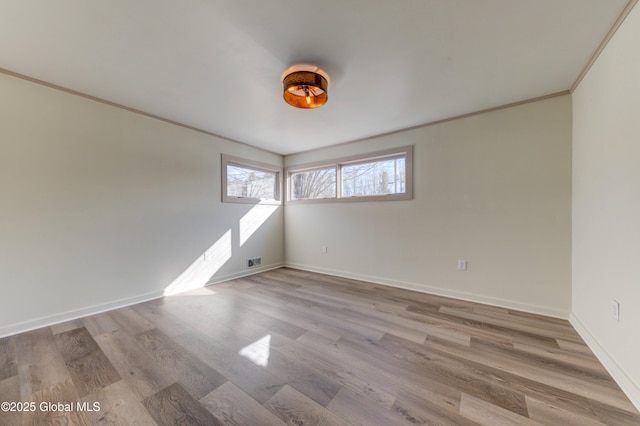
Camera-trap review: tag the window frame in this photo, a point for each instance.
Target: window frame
(405, 152)
(253, 165)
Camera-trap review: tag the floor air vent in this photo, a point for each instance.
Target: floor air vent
(253, 262)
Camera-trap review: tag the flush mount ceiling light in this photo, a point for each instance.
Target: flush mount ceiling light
(305, 86)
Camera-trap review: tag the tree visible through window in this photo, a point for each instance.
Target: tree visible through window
(319, 183)
(249, 183)
(380, 175)
(374, 178)
(245, 181)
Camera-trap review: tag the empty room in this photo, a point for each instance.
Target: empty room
(319, 213)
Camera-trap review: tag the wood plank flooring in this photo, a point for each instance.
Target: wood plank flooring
(299, 348)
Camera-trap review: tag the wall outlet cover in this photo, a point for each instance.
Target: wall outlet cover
(615, 310)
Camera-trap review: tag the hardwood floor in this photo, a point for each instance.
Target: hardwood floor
(299, 348)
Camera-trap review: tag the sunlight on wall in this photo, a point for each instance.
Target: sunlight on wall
(258, 351)
(254, 219)
(201, 270)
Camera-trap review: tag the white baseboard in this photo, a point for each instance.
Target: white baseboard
(235, 275)
(470, 297)
(49, 320)
(46, 321)
(626, 383)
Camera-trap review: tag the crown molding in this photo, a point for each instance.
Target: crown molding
(607, 38)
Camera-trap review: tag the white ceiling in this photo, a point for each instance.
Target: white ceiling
(216, 65)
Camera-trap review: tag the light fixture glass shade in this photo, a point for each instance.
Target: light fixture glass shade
(305, 89)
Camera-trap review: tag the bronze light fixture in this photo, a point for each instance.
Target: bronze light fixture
(305, 89)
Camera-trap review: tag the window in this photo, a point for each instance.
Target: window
(245, 181)
(378, 177)
(313, 184)
(383, 175)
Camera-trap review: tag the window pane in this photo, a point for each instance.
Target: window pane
(387, 176)
(320, 183)
(250, 183)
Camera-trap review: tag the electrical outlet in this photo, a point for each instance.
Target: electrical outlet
(462, 265)
(615, 310)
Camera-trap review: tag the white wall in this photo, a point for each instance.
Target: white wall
(606, 206)
(494, 189)
(100, 207)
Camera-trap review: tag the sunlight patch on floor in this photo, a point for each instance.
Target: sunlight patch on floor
(258, 351)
